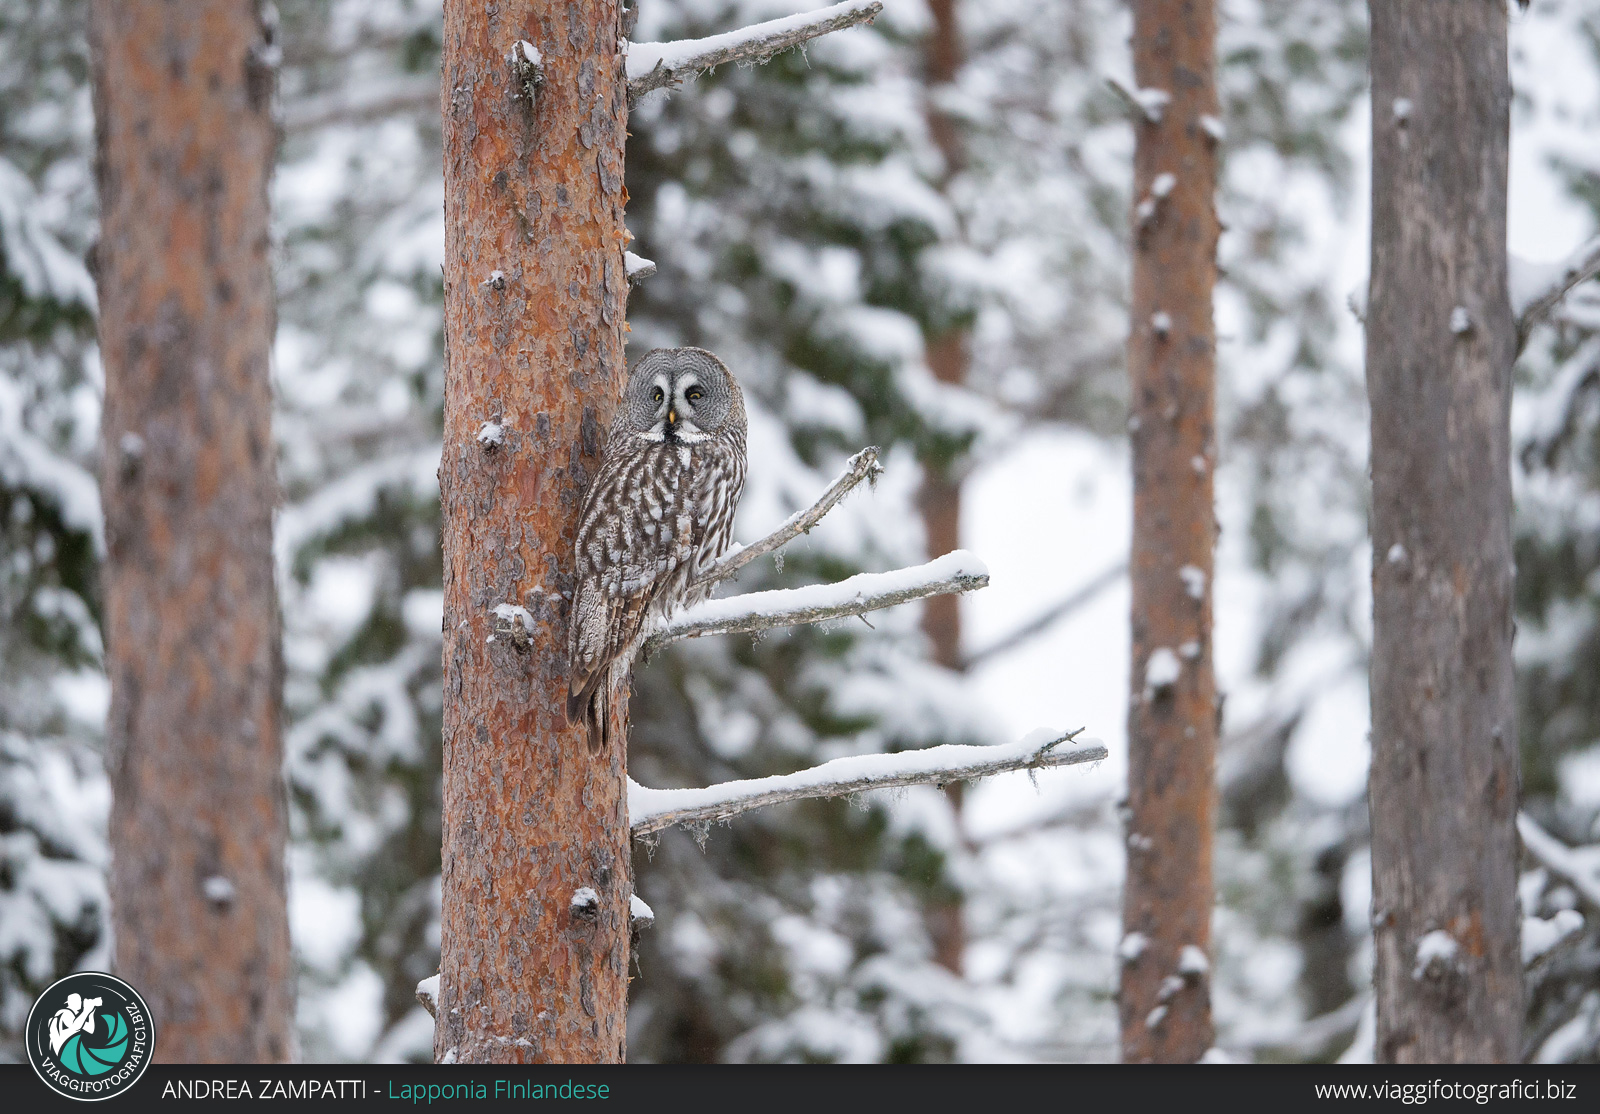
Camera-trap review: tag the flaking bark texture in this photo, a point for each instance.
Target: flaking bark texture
(1172, 730)
(183, 106)
(535, 295)
(1441, 340)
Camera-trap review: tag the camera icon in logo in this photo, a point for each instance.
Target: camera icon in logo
(90, 1036)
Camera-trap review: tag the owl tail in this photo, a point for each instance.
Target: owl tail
(593, 705)
(599, 716)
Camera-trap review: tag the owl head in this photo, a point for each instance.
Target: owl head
(680, 394)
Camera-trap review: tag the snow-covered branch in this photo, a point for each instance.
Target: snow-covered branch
(1537, 288)
(817, 603)
(1148, 105)
(638, 267)
(1560, 860)
(428, 994)
(654, 66)
(650, 810)
(863, 466)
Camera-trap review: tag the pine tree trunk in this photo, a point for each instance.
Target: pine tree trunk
(1441, 340)
(183, 105)
(1172, 722)
(535, 293)
(940, 497)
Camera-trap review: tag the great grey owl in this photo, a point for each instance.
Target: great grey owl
(658, 514)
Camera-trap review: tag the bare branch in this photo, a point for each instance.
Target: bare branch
(817, 603)
(654, 66)
(1037, 626)
(1537, 288)
(363, 104)
(863, 466)
(651, 810)
(1312, 1038)
(1550, 853)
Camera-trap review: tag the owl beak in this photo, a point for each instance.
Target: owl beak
(672, 416)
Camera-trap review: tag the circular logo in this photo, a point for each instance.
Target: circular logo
(90, 1036)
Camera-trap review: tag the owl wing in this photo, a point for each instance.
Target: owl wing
(637, 531)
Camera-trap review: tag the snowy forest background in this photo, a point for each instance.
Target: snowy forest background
(808, 230)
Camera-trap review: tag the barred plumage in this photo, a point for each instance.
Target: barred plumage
(658, 514)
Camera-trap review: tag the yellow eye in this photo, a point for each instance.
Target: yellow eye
(657, 395)
(694, 394)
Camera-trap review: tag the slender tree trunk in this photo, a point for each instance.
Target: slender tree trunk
(1172, 722)
(940, 498)
(1441, 340)
(183, 105)
(535, 293)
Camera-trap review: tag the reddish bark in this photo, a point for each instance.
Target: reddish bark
(1441, 340)
(186, 139)
(535, 294)
(940, 497)
(1172, 729)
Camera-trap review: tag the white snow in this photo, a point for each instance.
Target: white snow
(429, 988)
(1530, 281)
(1153, 103)
(1132, 946)
(1163, 185)
(637, 266)
(26, 460)
(1194, 580)
(491, 435)
(1436, 953)
(639, 913)
(1460, 321)
(530, 53)
(1539, 936)
(646, 804)
(584, 897)
(1396, 554)
(1161, 671)
(1161, 322)
(1192, 962)
(352, 497)
(512, 613)
(1401, 109)
(1213, 127)
(218, 890)
(845, 593)
(1551, 852)
(684, 55)
(32, 254)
